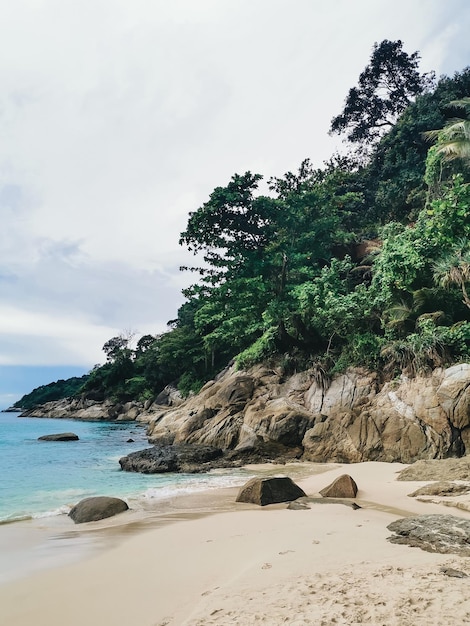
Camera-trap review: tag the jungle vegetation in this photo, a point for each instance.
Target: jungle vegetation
(362, 262)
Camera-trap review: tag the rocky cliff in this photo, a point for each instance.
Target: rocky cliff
(351, 418)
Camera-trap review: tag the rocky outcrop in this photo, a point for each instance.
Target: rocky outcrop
(178, 458)
(86, 409)
(349, 419)
(96, 508)
(263, 491)
(445, 534)
(59, 437)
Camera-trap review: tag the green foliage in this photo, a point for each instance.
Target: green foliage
(53, 391)
(361, 349)
(447, 219)
(430, 347)
(385, 88)
(260, 350)
(288, 276)
(188, 384)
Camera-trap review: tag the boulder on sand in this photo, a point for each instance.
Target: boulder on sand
(343, 487)
(96, 508)
(272, 490)
(445, 534)
(59, 437)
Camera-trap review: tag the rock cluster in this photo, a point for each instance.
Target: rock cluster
(351, 419)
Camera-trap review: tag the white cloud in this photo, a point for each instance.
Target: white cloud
(119, 118)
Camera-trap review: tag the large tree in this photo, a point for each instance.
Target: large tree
(385, 88)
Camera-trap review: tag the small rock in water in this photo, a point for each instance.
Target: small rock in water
(59, 437)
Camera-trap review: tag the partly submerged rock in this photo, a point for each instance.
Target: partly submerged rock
(445, 534)
(177, 458)
(343, 487)
(59, 437)
(96, 508)
(271, 490)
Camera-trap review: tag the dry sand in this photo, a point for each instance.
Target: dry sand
(327, 565)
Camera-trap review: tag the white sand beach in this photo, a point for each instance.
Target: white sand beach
(248, 565)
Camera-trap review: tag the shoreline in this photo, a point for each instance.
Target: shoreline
(208, 560)
(40, 543)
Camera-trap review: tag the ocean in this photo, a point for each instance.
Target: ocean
(40, 479)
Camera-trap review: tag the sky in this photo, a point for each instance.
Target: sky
(118, 118)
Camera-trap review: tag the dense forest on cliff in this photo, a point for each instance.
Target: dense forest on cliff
(364, 261)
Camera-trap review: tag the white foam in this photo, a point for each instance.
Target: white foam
(195, 485)
(63, 510)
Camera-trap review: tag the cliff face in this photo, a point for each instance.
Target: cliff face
(350, 419)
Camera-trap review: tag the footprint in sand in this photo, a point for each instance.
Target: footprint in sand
(206, 593)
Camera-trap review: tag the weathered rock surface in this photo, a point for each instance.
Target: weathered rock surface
(441, 488)
(170, 396)
(353, 417)
(59, 437)
(343, 487)
(445, 534)
(437, 469)
(177, 458)
(96, 508)
(263, 491)
(86, 409)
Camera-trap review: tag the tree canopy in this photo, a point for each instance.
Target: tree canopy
(353, 263)
(385, 88)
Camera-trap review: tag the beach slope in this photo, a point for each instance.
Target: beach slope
(330, 564)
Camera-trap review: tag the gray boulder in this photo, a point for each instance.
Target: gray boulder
(59, 437)
(263, 491)
(96, 508)
(177, 458)
(343, 487)
(445, 534)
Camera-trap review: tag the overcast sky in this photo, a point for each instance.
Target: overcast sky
(118, 118)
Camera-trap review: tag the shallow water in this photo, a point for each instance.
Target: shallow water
(42, 478)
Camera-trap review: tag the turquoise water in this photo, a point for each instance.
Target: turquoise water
(40, 478)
